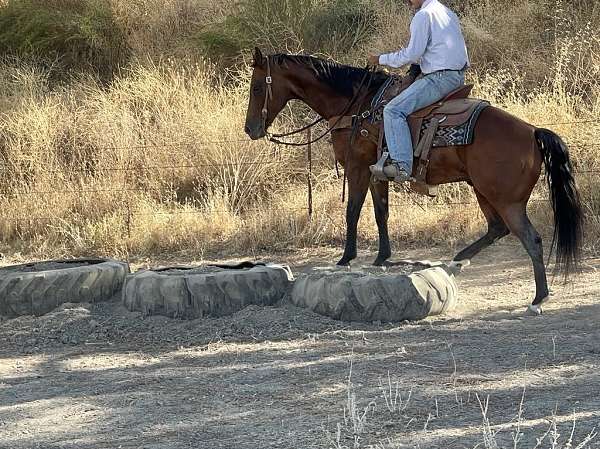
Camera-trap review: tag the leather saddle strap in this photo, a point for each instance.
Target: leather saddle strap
(380, 141)
(423, 149)
(341, 122)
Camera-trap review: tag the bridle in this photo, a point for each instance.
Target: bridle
(265, 113)
(269, 96)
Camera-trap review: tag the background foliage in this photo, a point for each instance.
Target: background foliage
(121, 121)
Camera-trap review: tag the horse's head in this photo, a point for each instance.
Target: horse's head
(269, 93)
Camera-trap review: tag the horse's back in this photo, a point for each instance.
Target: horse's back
(503, 157)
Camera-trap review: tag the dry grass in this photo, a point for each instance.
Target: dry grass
(157, 161)
(163, 27)
(364, 416)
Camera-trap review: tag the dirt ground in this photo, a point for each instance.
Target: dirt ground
(98, 376)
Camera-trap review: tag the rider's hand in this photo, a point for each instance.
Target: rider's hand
(373, 59)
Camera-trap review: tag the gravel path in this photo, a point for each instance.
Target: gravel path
(98, 376)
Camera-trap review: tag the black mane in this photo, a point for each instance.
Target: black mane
(341, 78)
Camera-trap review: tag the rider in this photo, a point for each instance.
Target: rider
(437, 44)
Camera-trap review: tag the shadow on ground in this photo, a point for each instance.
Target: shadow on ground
(284, 377)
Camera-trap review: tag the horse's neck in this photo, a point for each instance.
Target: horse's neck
(320, 97)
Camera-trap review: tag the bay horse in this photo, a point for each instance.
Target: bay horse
(503, 163)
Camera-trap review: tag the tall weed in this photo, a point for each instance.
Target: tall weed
(73, 33)
(329, 27)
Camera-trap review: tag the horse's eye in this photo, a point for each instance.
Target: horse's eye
(257, 89)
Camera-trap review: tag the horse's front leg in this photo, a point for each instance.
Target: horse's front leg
(358, 184)
(380, 195)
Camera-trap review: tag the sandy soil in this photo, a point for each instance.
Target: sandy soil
(97, 376)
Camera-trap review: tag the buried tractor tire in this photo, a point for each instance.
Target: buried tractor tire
(363, 297)
(195, 292)
(40, 287)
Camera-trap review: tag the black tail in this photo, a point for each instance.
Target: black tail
(568, 215)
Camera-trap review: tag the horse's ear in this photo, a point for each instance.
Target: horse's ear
(259, 59)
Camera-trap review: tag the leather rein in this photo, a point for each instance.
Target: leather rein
(269, 96)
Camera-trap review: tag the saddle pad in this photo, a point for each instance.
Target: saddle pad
(448, 136)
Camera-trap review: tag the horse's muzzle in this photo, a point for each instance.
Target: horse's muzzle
(255, 132)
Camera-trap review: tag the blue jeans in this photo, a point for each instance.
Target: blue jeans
(423, 92)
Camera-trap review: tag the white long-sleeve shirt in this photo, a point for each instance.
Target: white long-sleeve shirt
(436, 41)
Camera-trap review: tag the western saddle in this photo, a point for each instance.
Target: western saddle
(452, 111)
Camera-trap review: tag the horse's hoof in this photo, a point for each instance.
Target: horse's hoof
(534, 310)
(381, 261)
(456, 266)
(344, 262)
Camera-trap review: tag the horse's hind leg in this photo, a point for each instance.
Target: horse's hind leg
(496, 230)
(380, 195)
(519, 224)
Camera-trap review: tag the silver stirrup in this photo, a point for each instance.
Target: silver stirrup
(377, 169)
